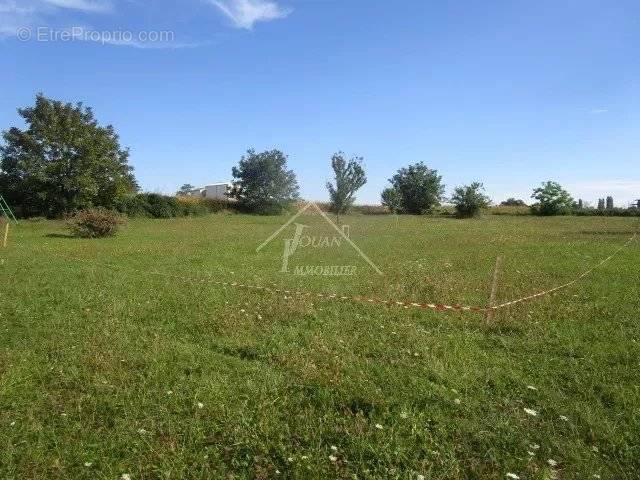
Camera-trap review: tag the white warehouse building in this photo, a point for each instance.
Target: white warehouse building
(217, 191)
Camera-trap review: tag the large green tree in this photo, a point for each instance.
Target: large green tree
(349, 178)
(63, 161)
(417, 189)
(263, 184)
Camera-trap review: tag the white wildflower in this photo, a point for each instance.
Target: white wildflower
(457, 401)
(512, 475)
(169, 392)
(290, 459)
(531, 454)
(200, 405)
(142, 431)
(379, 427)
(534, 446)
(333, 458)
(125, 476)
(531, 387)
(420, 477)
(87, 464)
(563, 418)
(334, 448)
(531, 412)
(404, 415)
(552, 462)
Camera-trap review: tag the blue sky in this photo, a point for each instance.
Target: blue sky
(510, 93)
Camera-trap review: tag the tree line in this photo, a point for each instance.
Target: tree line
(64, 161)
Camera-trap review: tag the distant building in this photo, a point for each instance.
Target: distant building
(216, 191)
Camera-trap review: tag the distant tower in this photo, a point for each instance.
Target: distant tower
(580, 204)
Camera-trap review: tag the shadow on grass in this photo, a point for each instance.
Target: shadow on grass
(60, 235)
(600, 232)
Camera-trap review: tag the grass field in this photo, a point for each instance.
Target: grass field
(108, 367)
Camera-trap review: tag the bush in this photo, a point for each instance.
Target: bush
(614, 212)
(94, 223)
(469, 200)
(153, 205)
(513, 202)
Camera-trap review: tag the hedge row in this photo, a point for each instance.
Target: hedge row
(153, 205)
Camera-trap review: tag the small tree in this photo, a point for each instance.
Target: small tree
(469, 200)
(552, 199)
(610, 205)
(580, 204)
(601, 204)
(350, 178)
(185, 189)
(513, 202)
(263, 184)
(391, 199)
(418, 188)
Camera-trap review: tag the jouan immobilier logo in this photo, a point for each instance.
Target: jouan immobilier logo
(303, 237)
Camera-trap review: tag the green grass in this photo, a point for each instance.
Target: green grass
(104, 362)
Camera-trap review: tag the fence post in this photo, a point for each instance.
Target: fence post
(494, 287)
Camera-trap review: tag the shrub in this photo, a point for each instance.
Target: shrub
(513, 202)
(132, 206)
(94, 223)
(469, 200)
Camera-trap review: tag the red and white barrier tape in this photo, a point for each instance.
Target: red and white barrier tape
(333, 296)
(568, 284)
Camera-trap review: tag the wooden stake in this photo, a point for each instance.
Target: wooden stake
(494, 286)
(6, 235)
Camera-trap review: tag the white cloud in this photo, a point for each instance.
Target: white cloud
(598, 111)
(10, 6)
(93, 6)
(245, 13)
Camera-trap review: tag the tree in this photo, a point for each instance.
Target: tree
(469, 200)
(349, 178)
(580, 204)
(513, 202)
(610, 205)
(391, 199)
(263, 184)
(185, 189)
(601, 204)
(552, 199)
(418, 189)
(63, 161)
